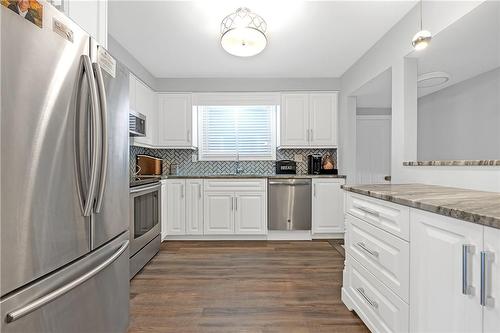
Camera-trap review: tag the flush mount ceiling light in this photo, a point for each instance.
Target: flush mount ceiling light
(422, 38)
(243, 33)
(432, 79)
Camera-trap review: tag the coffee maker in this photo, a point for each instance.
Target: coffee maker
(314, 164)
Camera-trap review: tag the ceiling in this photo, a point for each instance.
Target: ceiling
(313, 39)
(465, 49)
(377, 93)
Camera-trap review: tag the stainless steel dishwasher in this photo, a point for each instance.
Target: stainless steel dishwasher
(289, 204)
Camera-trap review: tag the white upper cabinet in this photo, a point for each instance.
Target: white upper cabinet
(323, 119)
(327, 206)
(145, 101)
(308, 120)
(175, 121)
(444, 288)
(91, 16)
(294, 120)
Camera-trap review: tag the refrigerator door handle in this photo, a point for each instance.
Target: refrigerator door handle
(38, 303)
(104, 131)
(95, 140)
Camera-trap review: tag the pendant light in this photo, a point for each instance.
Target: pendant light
(243, 33)
(422, 38)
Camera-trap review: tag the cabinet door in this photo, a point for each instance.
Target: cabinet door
(250, 213)
(175, 209)
(492, 310)
(328, 206)
(144, 104)
(437, 303)
(90, 15)
(294, 124)
(219, 213)
(194, 207)
(323, 119)
(175, 121)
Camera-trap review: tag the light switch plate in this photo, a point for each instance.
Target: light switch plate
(298, 158)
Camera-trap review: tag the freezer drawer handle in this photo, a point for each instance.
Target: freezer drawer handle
(38, 303)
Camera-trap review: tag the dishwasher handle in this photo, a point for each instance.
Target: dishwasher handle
(289, 183)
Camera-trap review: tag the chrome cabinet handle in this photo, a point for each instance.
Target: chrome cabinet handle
(199, 191)
(187, 135)
(314, 190)
(312, 135)
(104, 147)
(182, 191)
(232, 203)
(235, 203)
(38, 303)
(369, 211)
(485, 298)
(467, 249)
(96, 136)
(372, 303)
(363, 246)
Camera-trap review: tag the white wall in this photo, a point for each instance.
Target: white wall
(373, 111)
(461, 121)
(390, 52)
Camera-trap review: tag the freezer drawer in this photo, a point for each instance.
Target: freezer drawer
(89, 295)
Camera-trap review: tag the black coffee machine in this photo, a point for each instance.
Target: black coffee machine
(314, 164)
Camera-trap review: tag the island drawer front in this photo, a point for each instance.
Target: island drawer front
(254, 185)
(390, 217)
(374, 302)
(384, 255)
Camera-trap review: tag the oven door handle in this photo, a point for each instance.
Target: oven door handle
(145, 189)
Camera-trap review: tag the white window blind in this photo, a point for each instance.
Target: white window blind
(244, 132)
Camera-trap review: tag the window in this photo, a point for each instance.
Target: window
(232, 132)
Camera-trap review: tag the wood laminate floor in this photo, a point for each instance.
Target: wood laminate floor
(242, 286)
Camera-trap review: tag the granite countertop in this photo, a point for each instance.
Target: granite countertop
(249, 176)
(468, 205)
(454, 163)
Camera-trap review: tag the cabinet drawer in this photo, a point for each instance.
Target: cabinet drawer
(380, 308)
(238, 185)
(390, 217)
(384, 255)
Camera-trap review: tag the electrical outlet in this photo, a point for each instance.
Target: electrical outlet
(298, 158)
(194, 158)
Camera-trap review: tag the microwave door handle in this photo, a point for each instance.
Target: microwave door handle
(104, 133)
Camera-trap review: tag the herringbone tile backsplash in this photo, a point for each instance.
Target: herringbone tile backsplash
(186, 167)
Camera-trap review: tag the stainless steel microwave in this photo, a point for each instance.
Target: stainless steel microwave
(136, 124)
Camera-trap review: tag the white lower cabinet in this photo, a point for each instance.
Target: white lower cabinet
(236, 207)
(250, 213)
(380, 308)
(438, 303)
(194, 207)
(219, 216)
(327, 206)
(492, 275)
(174, 208)
(445, 277)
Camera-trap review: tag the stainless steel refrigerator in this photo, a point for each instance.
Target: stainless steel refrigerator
(64, 179)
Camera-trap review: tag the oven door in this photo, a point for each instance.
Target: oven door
(145, 213)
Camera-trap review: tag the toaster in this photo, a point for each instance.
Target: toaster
(148, 165)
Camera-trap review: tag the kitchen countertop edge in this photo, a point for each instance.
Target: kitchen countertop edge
(450, 210)
(248, 176)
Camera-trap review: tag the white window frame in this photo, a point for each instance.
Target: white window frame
(237, 99)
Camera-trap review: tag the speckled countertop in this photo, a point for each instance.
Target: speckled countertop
(468, 205)
(249, 176)
(454, 163)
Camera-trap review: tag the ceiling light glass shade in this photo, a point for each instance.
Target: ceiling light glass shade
(432, 79)
(421, 40)
(243, 33)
